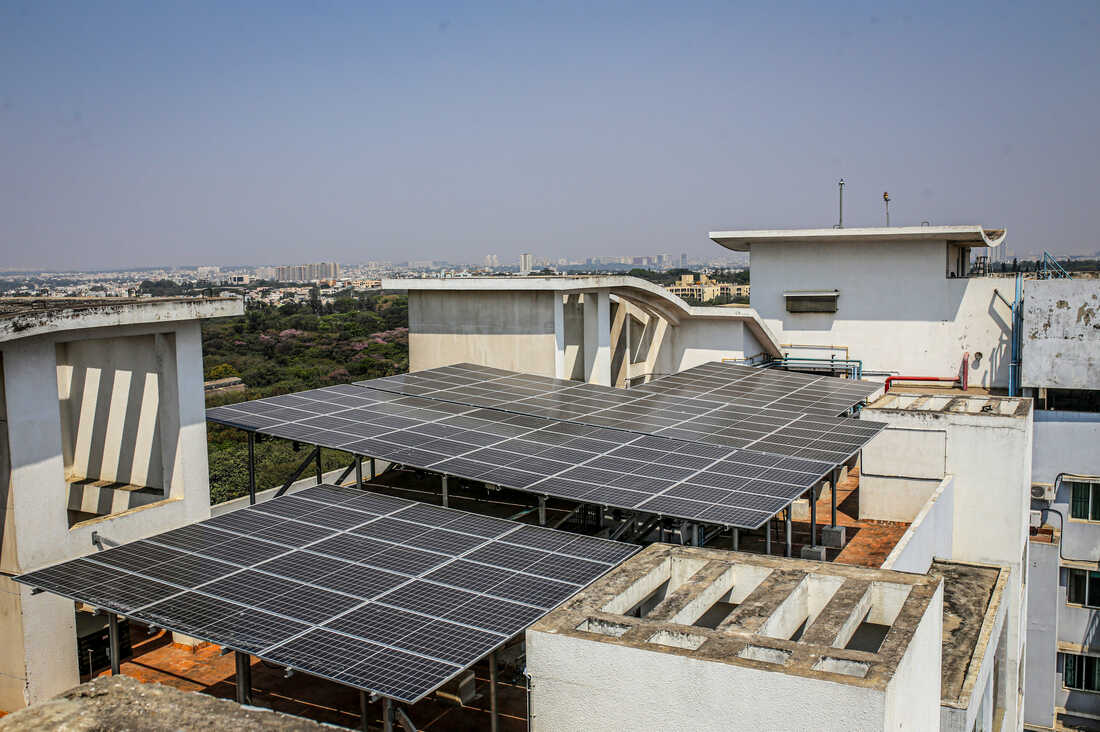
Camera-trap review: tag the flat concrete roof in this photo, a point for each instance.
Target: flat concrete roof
(973, 235)
(972, 595)
(23, 317)
(761, 593)
(976, 404)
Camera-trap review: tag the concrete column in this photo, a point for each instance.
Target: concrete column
(559, 337)
(597, 337)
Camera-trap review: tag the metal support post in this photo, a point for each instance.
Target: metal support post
(445, 497)
(787, 521)
(252, 468)
(364, 711)
(542, 510)
(320, 470)
(387, 714)
(112, 632)
(835, 481)
(244, 678)
(813, 518)
(358, 472)
(493, 716)
(768, 537)
(735, 540)
(297, 473)
(373, 475)
(700, 535)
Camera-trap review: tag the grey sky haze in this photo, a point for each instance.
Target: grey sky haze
(143, 133)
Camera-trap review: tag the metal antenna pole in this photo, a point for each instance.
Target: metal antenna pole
(886, 199)
(840, 222)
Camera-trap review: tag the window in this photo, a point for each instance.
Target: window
(1080, 672)
(1083, 587)
(1084, 501)
(805, 301)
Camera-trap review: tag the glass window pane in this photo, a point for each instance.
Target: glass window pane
(1079, 503)
(1092, 674)
(1094, 513)
(1075, 586)
(1093, 598)
(1069, 671)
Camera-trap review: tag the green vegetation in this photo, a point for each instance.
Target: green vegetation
(289, 348)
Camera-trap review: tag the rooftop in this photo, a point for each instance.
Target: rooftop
(789, 616)
(972, 596)
(976, 404)
(975, 236)
(22, 317)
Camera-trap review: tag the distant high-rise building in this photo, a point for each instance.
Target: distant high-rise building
(526, 263)
(308, 272)
(683, 260)
(492, 260)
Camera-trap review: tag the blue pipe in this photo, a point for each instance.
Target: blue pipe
(1014, 363)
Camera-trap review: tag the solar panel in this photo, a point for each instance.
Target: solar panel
(611, 467)
(724, 404)
(396, 603)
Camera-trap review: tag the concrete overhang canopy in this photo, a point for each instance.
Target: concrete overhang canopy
(973, 235)
(633, 289)
(24, 317)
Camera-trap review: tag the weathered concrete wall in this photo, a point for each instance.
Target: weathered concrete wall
(40, 630)
(504, 329)
(1044, 598)
(929, 534)
(913, 694)
(1061, 334)
(897, 310)
(109, 390)
(989, 456)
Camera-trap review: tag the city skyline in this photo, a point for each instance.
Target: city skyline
(194, 134)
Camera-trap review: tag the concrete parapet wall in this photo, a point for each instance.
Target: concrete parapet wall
(1061, 334)
(929, 534)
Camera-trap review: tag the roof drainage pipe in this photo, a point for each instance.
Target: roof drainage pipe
(963, 379)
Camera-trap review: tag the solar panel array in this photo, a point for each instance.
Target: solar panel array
(372, 591)
(757, 410)
(611, 467)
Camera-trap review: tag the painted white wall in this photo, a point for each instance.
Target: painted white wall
(579, 684)
(930, 533)
(913, 694)
(897, 310)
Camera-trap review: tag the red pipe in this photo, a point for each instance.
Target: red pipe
(963, 380)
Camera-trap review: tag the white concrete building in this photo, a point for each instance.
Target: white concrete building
(604, 330)
(902, 300)
(102, 441)
(682, 637)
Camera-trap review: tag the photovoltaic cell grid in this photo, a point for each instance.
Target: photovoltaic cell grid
(688, 480)
(396, 598)
(749, 421)
(720, 383)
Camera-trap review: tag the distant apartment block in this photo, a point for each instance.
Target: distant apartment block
(308, 272)
(704, 289)
(526, 263)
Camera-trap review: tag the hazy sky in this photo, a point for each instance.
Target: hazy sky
(149, 133)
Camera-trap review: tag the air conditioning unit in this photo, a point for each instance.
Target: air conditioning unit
(1042, 492)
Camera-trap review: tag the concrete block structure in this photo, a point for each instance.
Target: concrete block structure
(604, 330)
(984, 444)
(102, 441)
(719, 640)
